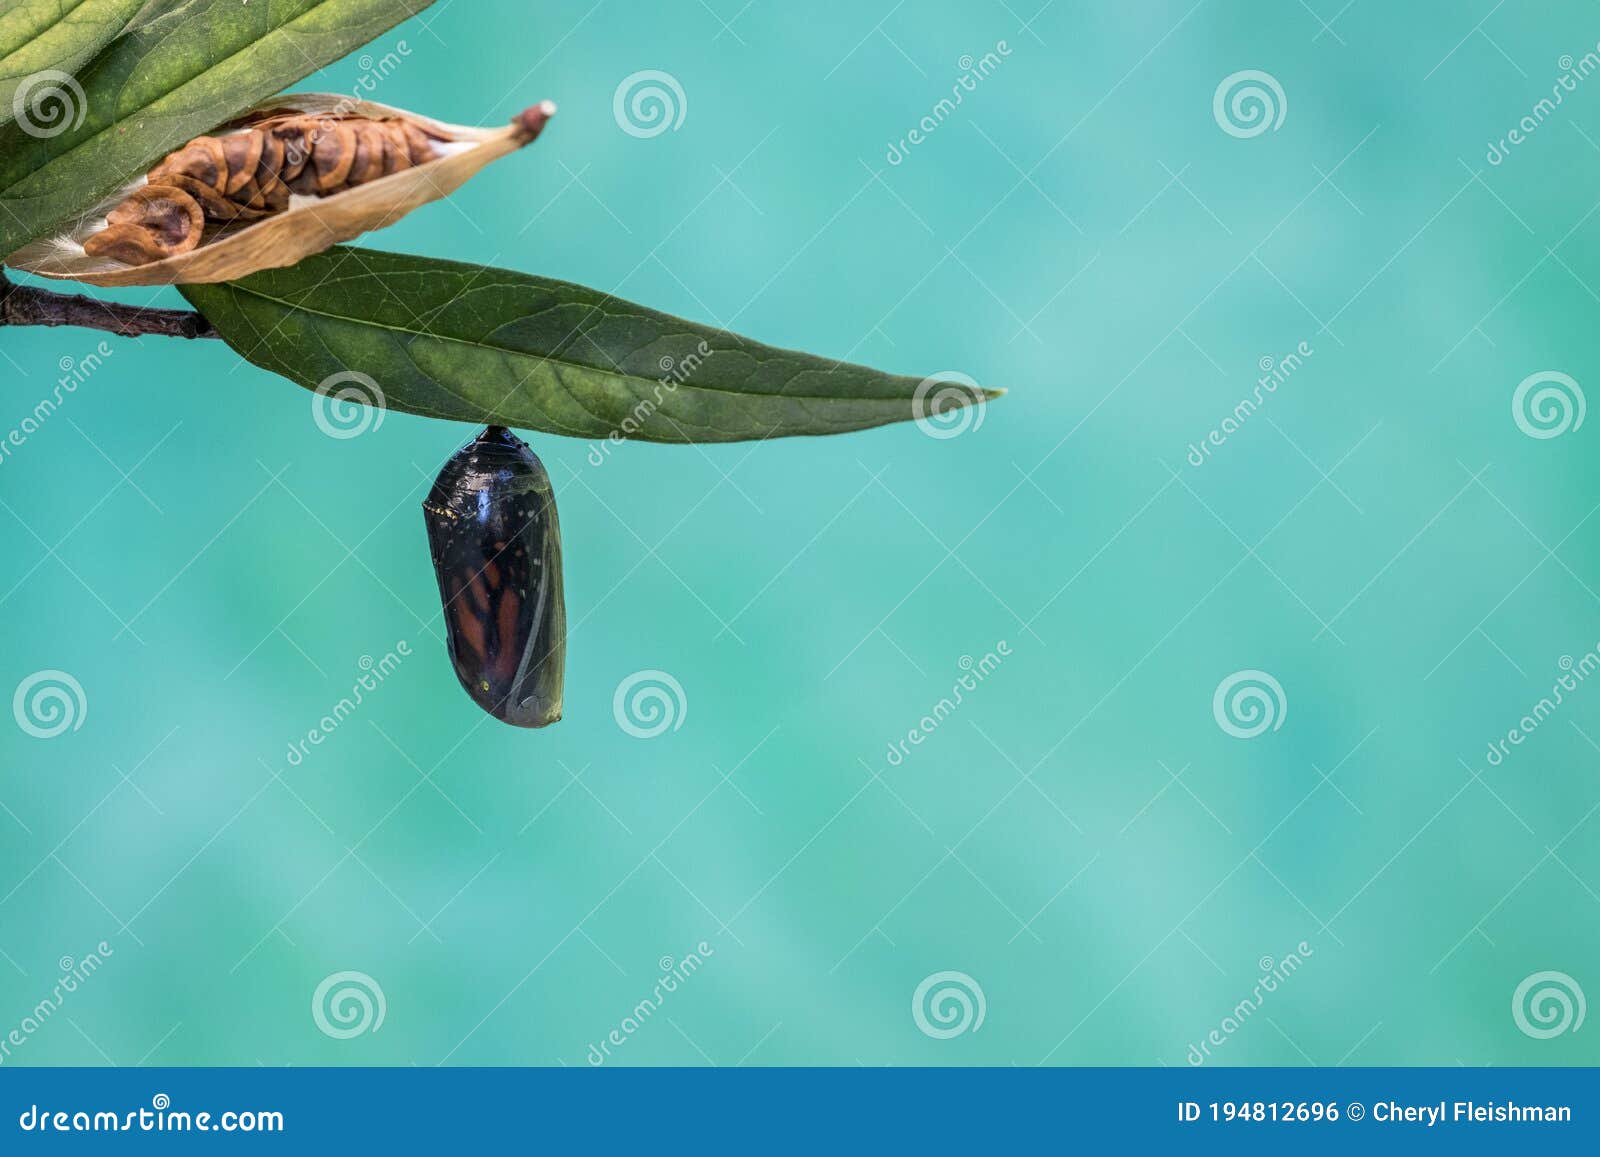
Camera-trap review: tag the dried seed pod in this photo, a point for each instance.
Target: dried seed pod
(496, 548)
(283, 182)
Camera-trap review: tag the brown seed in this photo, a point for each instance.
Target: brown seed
(271, 162)
(273, 193)
(166, 209)
(172, 215)
(249, 196)
(418, 143)
(214, 205)
(305, 182)
(202, 158)
(396, 153)
(367, 165)
(242, 152)
(129, 244)
(332, 154)
(155, 221)
(296, 149)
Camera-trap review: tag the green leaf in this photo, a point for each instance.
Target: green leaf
(42, 42)
(478, 344)
(184, 68)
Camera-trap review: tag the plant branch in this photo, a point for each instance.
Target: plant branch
(28, 305)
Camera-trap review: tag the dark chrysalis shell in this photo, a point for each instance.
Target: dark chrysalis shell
(496, 547)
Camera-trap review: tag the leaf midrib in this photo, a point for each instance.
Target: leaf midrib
(512, 351)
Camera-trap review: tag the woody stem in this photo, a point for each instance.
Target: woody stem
(28, 305)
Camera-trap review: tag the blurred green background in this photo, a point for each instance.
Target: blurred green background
(1081, 838)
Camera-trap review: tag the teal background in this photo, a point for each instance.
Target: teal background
(1080, 837)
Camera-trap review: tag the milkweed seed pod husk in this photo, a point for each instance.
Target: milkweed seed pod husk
(495, 542)
(249, 174)
(289, 179)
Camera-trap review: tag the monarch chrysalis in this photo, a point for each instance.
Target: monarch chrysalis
(496, 548)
